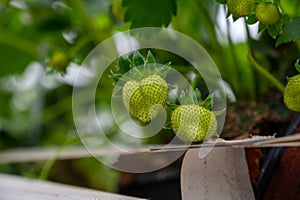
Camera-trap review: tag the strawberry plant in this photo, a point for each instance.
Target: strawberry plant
(144, 89)
(193, 121)
(143, 86)
(279, 26)
(269, 16)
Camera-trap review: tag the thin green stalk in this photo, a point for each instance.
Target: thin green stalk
(195, 81)
(249, 39)
(234, 77)
(249, 43)
(265, 73)
(50, 162)
(87, 21)
(208, 23)
(211, 32)
(78, 46)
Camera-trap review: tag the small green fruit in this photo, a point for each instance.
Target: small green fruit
(240, 8)
(193, 123)
(142, 98)
(59, 60)
(291, 93)
(267, 13)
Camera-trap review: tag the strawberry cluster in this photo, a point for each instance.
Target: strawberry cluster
(144, 91)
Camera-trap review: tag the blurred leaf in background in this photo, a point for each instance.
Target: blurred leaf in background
(153, 13)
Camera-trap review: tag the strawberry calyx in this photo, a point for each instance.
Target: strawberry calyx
(137, 67)
(188, 97)
(297, 65)
(194, 97)
(140, 82)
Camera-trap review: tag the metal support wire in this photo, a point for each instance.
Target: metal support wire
(272, 161)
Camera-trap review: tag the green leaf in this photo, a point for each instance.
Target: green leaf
(208, 102)
(290, 32)
(186, 98)
(138, 59)
(222, 1)
(219, 112)
(154, 13)
(168, 125)
(171, 106)
(251, 19)
(195, 99)
(234, 18)
(114, 77)
(285, 18)
(151, 63)
(276, 2)
(198, 94)
(297, 65)
(150, 58)
(274, 30)
(123, 65)
(163, 70)
(261, 27)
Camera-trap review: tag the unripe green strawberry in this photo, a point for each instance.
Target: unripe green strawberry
(267, 13)
(142, 97)
(240, 8)
(144, 90)
(292, 93)
(59, 60)
(193, 123)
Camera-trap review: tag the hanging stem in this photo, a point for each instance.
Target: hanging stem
(265, 73)
(195, 81)
(94, 33)
(209, 25)
(234, 72)
(50, 162)
(249, 39)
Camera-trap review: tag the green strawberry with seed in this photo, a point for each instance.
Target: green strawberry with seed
(291, 93)
(142, 97)
(192, 122)
(240, 8)
(143, 87)
(267, 13)
(59, 61)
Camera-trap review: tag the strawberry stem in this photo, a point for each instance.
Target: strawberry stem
(265, 73)
(196, 81)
